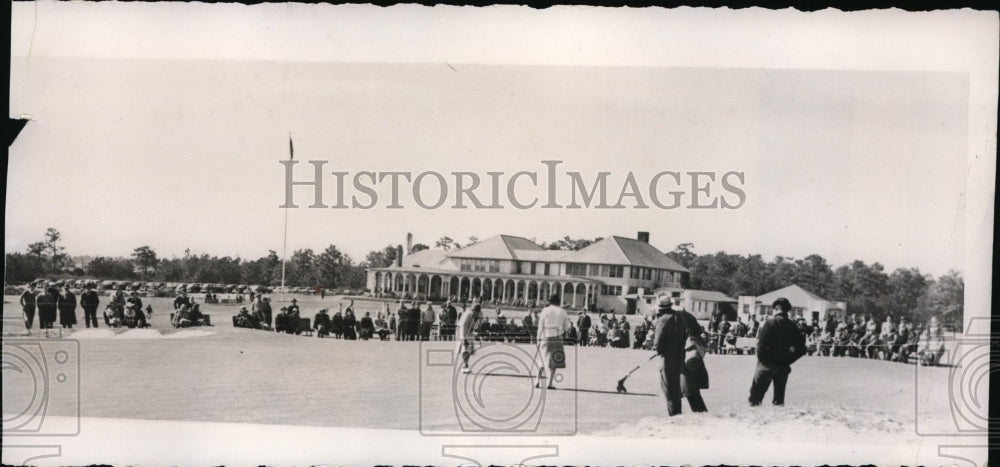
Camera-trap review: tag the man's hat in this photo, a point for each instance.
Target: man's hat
(665, 302)
(294, 301)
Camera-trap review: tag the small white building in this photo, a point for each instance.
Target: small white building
(805, 304)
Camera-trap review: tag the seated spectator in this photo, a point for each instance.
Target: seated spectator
(337, 325)
(182, 317)
(381, 328)
(321, 323)
(826, 344)
(244, 319)
(281, 321)
(931, 347)
(134, 316)
(113, 315)
(366, 328)
(197, 317)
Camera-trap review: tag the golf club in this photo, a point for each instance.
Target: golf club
(621, 382)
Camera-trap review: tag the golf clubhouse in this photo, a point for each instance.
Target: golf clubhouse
(512, 270)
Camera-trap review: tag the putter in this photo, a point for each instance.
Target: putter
(621, 382)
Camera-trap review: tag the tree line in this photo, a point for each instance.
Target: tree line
(866, 288)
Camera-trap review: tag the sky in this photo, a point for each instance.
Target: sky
(180, 150)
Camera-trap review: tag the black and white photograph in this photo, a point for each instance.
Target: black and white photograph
(290, 234)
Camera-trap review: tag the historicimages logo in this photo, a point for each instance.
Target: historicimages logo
(953, 370)
(496, 395)
(41, 378)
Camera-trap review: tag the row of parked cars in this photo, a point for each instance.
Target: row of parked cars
(140, 286)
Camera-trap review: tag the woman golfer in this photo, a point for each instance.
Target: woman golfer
(467, 325)
(553, 322)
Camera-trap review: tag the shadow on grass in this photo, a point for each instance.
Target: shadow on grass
(592, 391)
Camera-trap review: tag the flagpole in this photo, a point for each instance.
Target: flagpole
(284, 247)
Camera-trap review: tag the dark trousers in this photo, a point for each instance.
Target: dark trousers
(29, 317)
(670, 383)
(695, 401)
(762, 380)
(90, 316)
(584, 336)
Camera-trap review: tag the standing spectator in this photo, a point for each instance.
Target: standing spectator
(528, 323)
(452, 319)
(754, 327)
(583, 322)
(669, 343)
(350, 325)
(413, 321)
(553, 322)
(625, 328)
(67, 308)
(263, 308)
(426, 322)
(779, 345)
(393, 328)
(401, 323)
(28, 307)
(89, 301)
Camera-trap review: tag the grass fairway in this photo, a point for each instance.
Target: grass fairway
(238, 375)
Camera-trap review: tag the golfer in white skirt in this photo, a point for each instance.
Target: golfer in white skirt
(553, 323)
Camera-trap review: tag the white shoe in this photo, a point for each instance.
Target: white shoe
(466, 370)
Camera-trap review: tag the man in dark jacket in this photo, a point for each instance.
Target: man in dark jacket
(413, 321)
(89, 301)
(321, 323)
(583, 322)
(182, 300)
(28, 306)
(779, 344)
(452, 319)
(694, 376)
(66, 302)
(669, 344)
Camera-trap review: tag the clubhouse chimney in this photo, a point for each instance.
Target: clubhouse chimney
(399, 256)
(409, 242)
(643, 237)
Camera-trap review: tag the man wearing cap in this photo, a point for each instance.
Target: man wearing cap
(668, 341)
(281, 321)
(779, 344)
(467, 325)
(89, 301)
(28, 306)
(553, 323)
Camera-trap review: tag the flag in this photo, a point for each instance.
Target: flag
(291, 148)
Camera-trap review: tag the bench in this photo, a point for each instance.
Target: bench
(304, 326)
